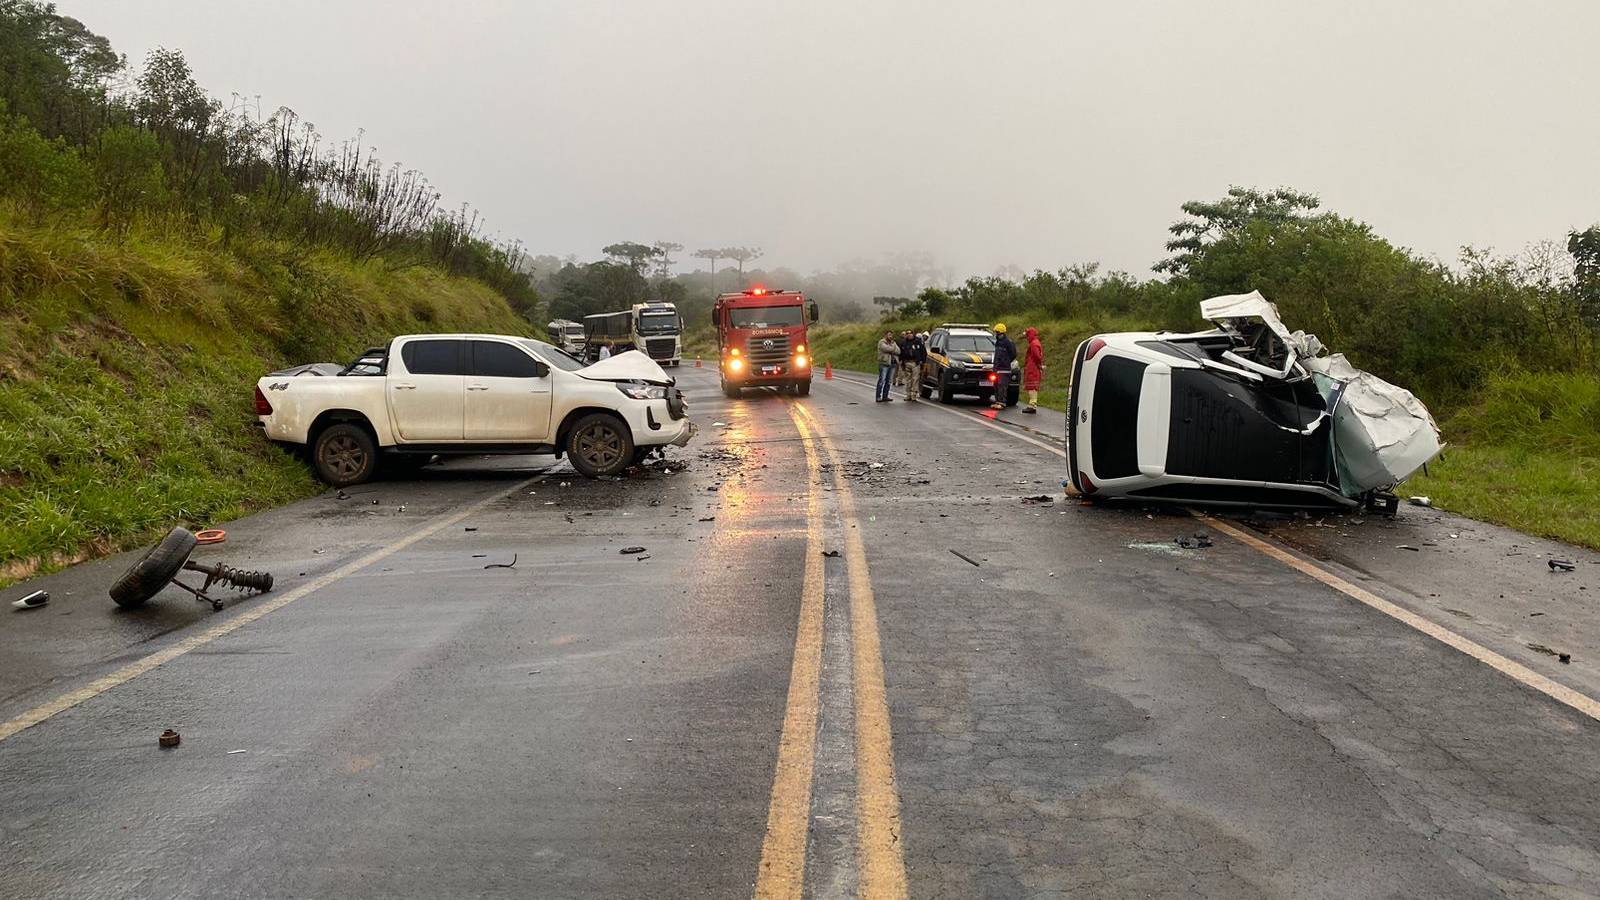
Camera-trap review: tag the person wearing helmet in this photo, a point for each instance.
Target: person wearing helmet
(1005, 353)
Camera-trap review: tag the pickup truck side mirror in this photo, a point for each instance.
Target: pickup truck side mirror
(540, 370)
(813, 310)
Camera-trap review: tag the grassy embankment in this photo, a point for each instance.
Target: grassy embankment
(1526, 454)
(126, 370)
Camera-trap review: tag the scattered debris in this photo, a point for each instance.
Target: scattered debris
(169, 739)
(341, 495)
(831, 554)
(1421, 501)
(965, 557)
(876, 465)
(709, 519)
(479, 555)
(32, 601)
(210, 536)
(1564, 565)
(232, 752)
(1199, 541)
(1039, 498)
(628, 551)
(719, 424)
(470, 528)
(641, 558)
(509, 565)
(1411, 548)
(1540, 648)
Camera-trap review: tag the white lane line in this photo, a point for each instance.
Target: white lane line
(133, 670)
(1518, 672)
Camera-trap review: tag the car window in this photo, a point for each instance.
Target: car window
(493, 359)
(766, 316)
(555, 356)
(432, 357)
(971, 343)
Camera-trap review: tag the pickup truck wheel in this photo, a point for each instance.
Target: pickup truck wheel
(946, 395)
(599, 445)
(345, 454)
(150, 574)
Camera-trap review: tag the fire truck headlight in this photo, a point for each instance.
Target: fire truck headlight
(735, 364)
(800, 361)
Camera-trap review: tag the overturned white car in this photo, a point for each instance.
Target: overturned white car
(1247, 414)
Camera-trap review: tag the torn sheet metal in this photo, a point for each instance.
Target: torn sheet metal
(1382, 434)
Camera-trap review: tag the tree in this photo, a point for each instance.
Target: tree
(741, 255)
(711, 254)
(664, 250)
(1210, 221)
(891, 305)
(1585, 249)
(634, 254)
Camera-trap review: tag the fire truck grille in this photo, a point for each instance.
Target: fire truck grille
(768, 351)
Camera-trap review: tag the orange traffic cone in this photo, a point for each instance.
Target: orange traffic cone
(697, 364)
(827, 370)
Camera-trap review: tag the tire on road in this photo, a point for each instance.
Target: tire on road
(599, 445)
(946, 395)
(151, 573)
(731, 391)
(802, 388)
(345, 454)
(1012, 395)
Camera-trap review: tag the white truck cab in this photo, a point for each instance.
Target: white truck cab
(431, 394)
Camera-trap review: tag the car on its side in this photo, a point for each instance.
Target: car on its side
(1247, 414)
(961, 361)
(426, 395)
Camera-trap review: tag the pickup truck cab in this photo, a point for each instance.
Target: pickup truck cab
(439, 394)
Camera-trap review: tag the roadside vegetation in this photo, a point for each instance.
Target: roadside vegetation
(158, 254)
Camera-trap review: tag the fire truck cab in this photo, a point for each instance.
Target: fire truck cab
(761, 340)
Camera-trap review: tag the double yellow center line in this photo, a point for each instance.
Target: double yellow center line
(880, 858)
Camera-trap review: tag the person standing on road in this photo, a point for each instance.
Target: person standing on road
(888, 356)
(912, 353)
(1005, 353)
(1032, 368)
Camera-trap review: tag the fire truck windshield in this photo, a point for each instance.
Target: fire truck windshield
(766, 316)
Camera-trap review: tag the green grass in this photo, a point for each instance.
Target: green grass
(1551, 495)
(127, 371)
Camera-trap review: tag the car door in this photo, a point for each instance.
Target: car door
(507, 395)
(426, 396)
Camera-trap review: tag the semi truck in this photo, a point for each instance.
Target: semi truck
(654, 329)
(567, 335)
(761, 340)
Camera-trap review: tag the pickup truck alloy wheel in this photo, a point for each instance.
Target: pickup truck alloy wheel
(345, 455)
(599, 445)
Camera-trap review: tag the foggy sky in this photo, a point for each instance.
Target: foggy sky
(987, 133)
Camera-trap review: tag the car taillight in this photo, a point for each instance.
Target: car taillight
(1095, 346)
(993, 378)
(1088, 486)
(263, 408)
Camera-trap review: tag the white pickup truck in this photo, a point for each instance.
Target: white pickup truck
(430, 394)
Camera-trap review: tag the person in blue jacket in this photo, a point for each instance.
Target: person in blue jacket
(1005, 353)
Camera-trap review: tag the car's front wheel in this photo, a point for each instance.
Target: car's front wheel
(599, 445)
(345, 454)
(946, 395)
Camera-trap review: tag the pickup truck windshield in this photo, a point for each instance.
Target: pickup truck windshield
(971, 343)
(561, 359)
(658, 323)
(766, 316)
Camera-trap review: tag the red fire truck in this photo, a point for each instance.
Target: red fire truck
(761, 339)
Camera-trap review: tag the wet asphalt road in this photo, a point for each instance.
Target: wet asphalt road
(1089, 710)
